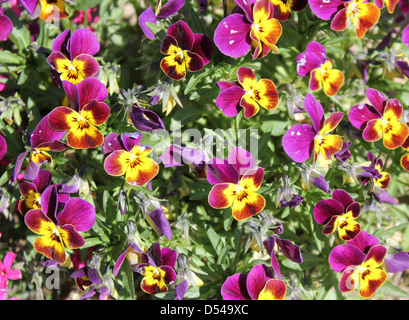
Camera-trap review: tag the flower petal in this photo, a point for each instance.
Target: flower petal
(315, 111)
(241, 159)
(78, 213)
(232, 36)
(373, 130)
(395, 134)
(325, 10)
(359, 115)
(274, 289)
(147, 16)
(343, 256)
(221, 171)
(306, 62)
(298, 142)
(96, 112)
(222, 195)
(366, 18)
(83, 41)
(141, 171)
(183, 34)
(256, 280)
(252, 179)
(234, 288)
(324, 210)
(116, 164)
(228, 100)
(247, 204)
(332, 81)
(38, 222)
(84, 136)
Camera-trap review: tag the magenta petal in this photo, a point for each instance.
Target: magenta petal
(340, 21)
(203, 46)
(232, 36)
(324, 9)
(183, 34)
(147, 16)
(43, 180)
(3, 147)
(111, 143)
(60, 43)
(256, 280)
(227, 84)
(342, 197)
(129, 140)
(247, 7)
(171, 7)
(359, 115)
(49, 202)
(315, 111)
(298, 142)
(169, 257)
(405, 36)
(397, 262)
(79, 213)
(221, 171)
(343, 256)
(6, 27)
(160, 223)
(241, 159)
(306, 62)
(377, 99)
(318, 49)
(18, 164)
(83, 41)
(91, 89)
(269, 244)
(326, 209)
(29, 5)
(229, 100)
(43, 133)
(364, 241)
(234, 288)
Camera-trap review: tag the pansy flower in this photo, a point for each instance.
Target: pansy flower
(37, 192)
(247, 93)
(339, 212)
(161, 12)
(60, 230)
(258, 284)
(304, 140)
(364, 15)
(47, 10)
(315, 63)
(145, 119)
(254, 28)
(3, 147)
(127, 157)
(360, 262)
(374, 174)
(6, 26)
(6, 271)
(283, 8)
(405, 159)
(86, 113)
(235, 182)
(157, 269)
(380, 120)
(72, 55)
(184, 50)
(42, 140)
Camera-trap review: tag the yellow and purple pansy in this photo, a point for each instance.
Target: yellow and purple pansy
(157, 269)
(247, 93)
(304, 140)
(86, 113)
(72, 55)
(49, 10)
(283, 8)
(184, 51)
(60, 230)
(127, 157)
(380, 120)
(235, 182)
(253, 28)
(340, 213)
(363, 14)
(389, 4)
(360, 262)
(160, 13)
(42, 140)
(315, 63)
(258, 284)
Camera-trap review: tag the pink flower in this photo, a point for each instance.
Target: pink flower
(6, 273)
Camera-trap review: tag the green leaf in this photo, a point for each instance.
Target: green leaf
(388, 289)
(7, 57)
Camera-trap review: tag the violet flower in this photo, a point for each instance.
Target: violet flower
(258, 284)
(144, 119)
(6, 26)
(161, 12)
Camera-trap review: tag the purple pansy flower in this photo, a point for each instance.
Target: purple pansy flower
(304, 140)
(3, 147)
(235, 182)
(253, 28)
(359, 261)
(339, 212)
(157, 268)
(258, 284)
(61, 229)
(161, 12)
(42, 140)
